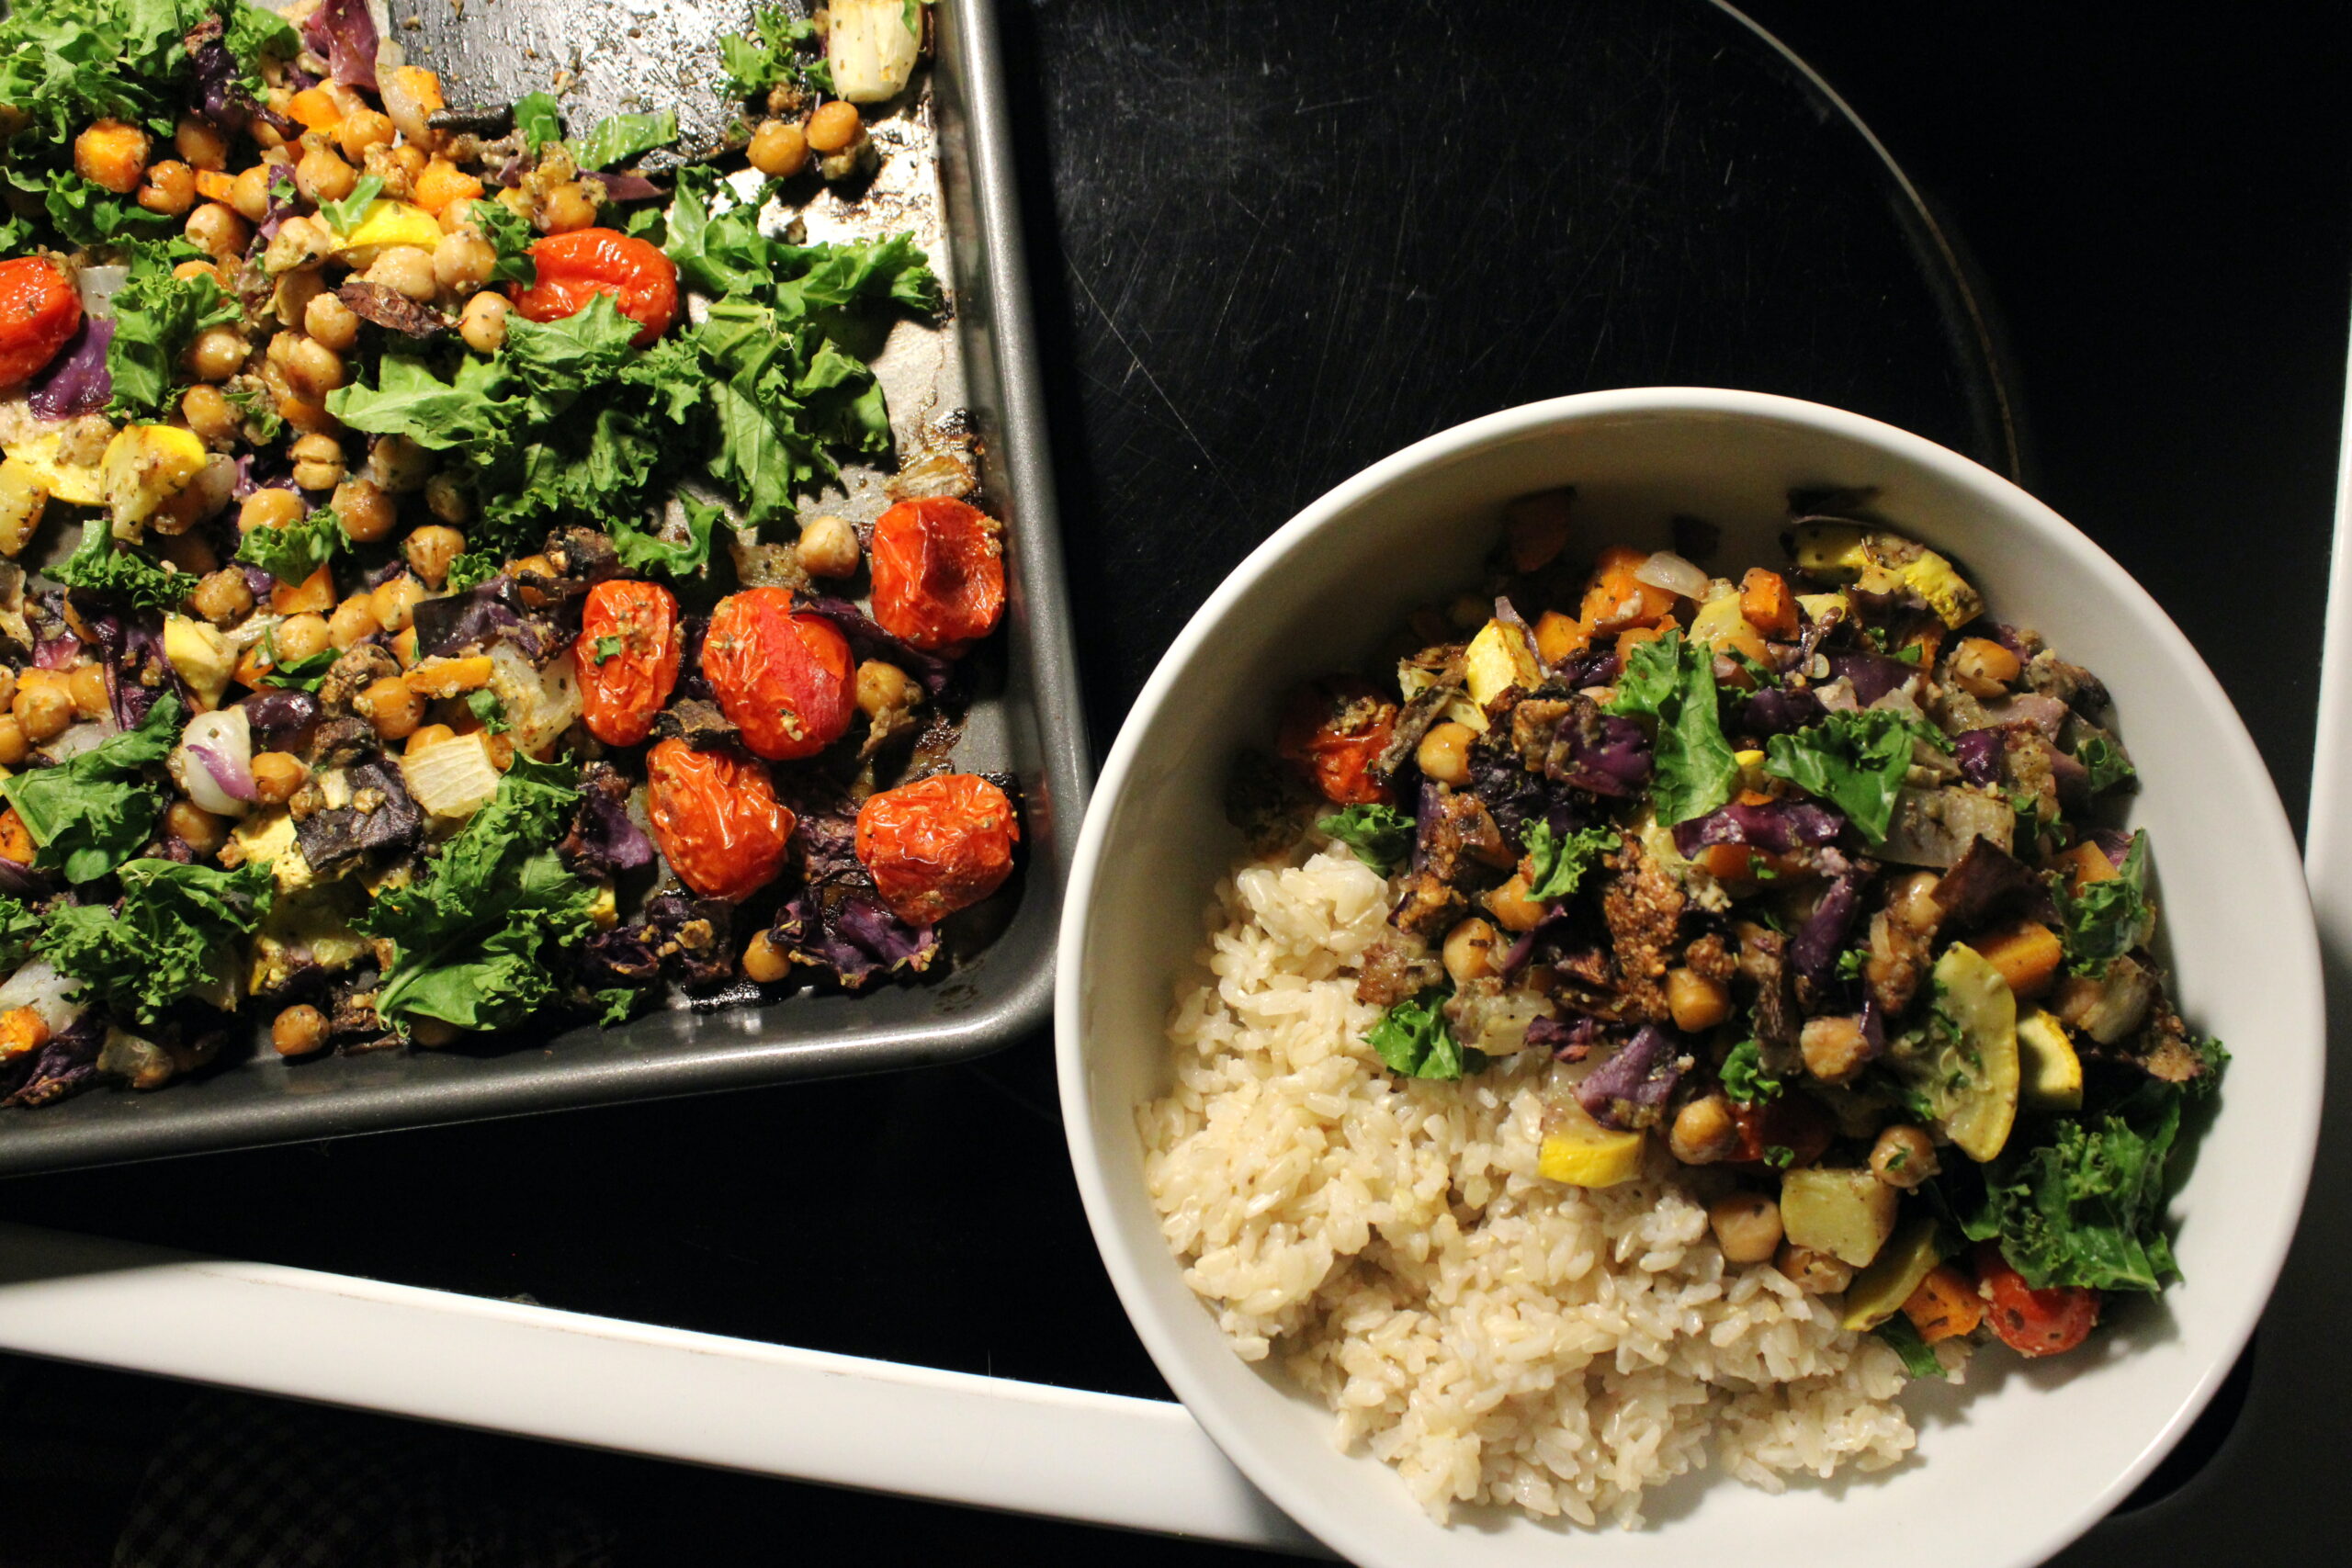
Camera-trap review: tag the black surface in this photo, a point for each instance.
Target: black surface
(1283, 241)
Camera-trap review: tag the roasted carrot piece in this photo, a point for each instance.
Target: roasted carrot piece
(1633, 637)
(2083, 864)
(1767, 604)
(1559, 638)
(2026, 953)
(314, 109)
(314, 592)
(1616, 599)
(1945, 1306)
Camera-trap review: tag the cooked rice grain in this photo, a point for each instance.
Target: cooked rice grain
(1496, 1337)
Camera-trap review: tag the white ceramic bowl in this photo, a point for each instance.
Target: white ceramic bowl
(2027, 1457)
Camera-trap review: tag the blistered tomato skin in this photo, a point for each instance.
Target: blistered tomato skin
(783, 677)
(628, 655)
(575, 267)
(1334, 730)
(40, 308)
(938, 573)
(938, 845)
(717, 820)
(2034, 1322)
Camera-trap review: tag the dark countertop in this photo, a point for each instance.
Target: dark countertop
(1275, 242)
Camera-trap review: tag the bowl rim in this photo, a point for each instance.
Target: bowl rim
(2269, 837)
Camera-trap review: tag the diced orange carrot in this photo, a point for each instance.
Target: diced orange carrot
(1945, 1306)
(315, 592)
(213, 185)
(2083, 864)
(449, 677)
(2026, 953)
(443, 182)
(314, 109)
(16, 843)
(1616, 599)
(1633, 637)
(1557, 637)
(1766, 602)
(251, 667)
(1727, 862)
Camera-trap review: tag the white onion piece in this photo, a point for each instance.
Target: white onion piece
(41, 987)
(1668, 571)
(213, 764)
(97, 285)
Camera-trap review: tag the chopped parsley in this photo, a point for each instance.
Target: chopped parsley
(1780, 1157)
(1743, 1078)
(605, 648)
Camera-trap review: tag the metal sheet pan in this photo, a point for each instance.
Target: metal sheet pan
(1028, 721)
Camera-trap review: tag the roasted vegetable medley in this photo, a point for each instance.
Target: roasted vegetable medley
(369, 668)
(1813, 869)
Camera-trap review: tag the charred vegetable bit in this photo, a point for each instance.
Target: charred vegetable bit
(1795, 874)
(429, 510)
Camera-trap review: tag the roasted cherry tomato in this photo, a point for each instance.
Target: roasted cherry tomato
(783, 677)
(717, 818)
(938, 845)
(628, 655)
(2032, 1322)
(1791, 1120)
(1335, 729)
(575, 267)
(938, 573)
(39, 311)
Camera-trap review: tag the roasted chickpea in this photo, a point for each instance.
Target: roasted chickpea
(249, 193)
(1835, 1048)
(391, 707)
(188, 269)
(318, 461)
(1746, 1226)
(432, 1034)
(430, 549)
(222, 597)
(42, 709)
(429, 736)
(406, 270)
(1512, 908)
(1984, 668)
(566, 207)
(170, 188)
(1703, 1131)
(779, 149)
(209, 415)
(460, 214)
(1903, 1157)
(1911, 903)
(883, 687)
(298, 638)
(1816, 1273)
(8, 686)
(354, 622)
(827, 548)
(320, 174)
(331, 322)
(86, 684)
(446, 498)
(368, 514)
(313, 370)
(461, 262)
(1696, 1002)
(395, 602)
(275, 507)
(360, 129)
(1444, 753)
(1470, 950)
(307, 414)
(215, 354)
(217, 230)
(13, 746)
(764, 960)
(834, 127)
(277, 776)
(399, 464)
(191, 825)
(298, 1031)
(201, 144)
(404, 650)
(483, 322)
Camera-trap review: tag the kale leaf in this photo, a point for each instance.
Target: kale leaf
(1918, 1358)
(1380, 835)
(618, 138)
(1854, 761)
(476, 936)
(640, 549)
(2084, 1204)
(155, 317)
(1560, 864)
(2109, 917)
(2106, 763)
(292, 552)
(776, 55)
(1414, 1041)
(97, 566)
(178, 934)
(90, 814)
(1673, 682)
(540, 120)
(510, 235)
(344, 216)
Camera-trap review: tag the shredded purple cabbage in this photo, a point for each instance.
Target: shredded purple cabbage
(1779, 827)
(1978, 752)
(1594, 666)
(77, 380)
(1873, 1029)
(343, 34)
(1569, 1040)
(1814, 948)
(459, 621)
(1629, 1089)
(1872, 674)
(132, 648)
(2113, 842)
(622, 186)
(278, 714)
(220, 95)
(692, 684)
(65, 1065)
(1608, 754)
(853, 935)
(1776, 710)
(604, 840)
(866, 640)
